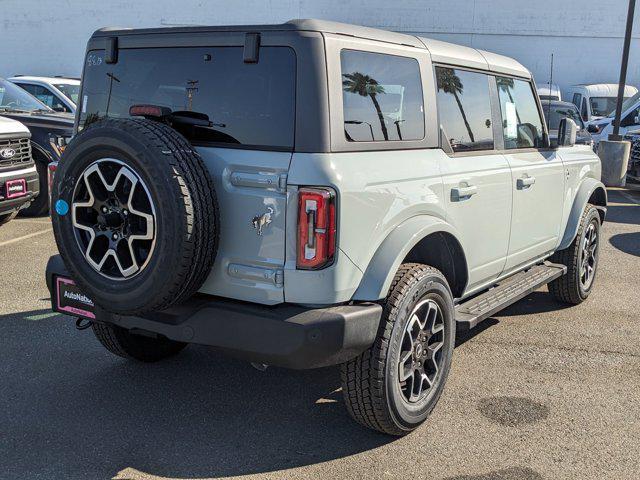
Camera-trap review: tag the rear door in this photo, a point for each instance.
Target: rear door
(247, 146)
(477, 178)
(537, 174)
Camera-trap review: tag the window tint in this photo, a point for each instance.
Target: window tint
(382, 97)
(464, 109)
(521, 122)
(248, 104)
(46, 96)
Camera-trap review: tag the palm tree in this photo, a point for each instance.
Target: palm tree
(449, 82)
(364, 85)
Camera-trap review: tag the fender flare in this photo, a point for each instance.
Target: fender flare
(395, 247)
(585, 190)
(35, 147)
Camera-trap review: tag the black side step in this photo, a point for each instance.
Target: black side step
(508, 291)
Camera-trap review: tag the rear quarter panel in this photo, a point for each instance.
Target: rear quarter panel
(376, 192)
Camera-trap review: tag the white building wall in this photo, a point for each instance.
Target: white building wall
(44, 37)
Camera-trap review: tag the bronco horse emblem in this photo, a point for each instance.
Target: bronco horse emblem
(261, 221)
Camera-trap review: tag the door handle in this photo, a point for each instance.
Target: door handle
(525, 182)
(463, 193)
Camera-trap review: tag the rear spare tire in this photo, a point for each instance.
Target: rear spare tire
(135, 215)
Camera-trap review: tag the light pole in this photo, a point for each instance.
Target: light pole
(623, 72)
(614, 152)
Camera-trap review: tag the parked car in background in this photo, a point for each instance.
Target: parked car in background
(555, 111)
(19, 183)
(633, 170)
(629, 120)
(548, 91)
(597, 100)
(49, 133)
(58, 93)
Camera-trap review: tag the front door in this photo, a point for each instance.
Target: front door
(476, 177)
(537, 175)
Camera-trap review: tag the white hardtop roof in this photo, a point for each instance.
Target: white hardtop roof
(452, 54)
(51, 80)
(441, 52)
(605, 89)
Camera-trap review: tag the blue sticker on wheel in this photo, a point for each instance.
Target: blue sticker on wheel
(62, 207)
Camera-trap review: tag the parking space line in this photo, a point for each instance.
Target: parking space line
(24, 237)
(629, 197)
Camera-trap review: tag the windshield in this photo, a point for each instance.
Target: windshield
(557, 113)
(70, 91)
(627, 104)
(248, 104)
(603, 106)
(13, 97)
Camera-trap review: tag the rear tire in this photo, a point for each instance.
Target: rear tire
(125, 344)
(371, 383)
(7, 218)
(572, 287)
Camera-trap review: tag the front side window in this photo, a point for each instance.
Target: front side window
(464, 109)
(46, 96)
(249, 105)
(521, 121)
(381, 97)
(576, 99)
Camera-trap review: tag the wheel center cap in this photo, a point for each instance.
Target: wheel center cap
(111, 220)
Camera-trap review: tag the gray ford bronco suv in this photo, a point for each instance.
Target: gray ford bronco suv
(314, 194)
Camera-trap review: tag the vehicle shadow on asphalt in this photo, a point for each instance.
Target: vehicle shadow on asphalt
(72, 410)
(627, 243)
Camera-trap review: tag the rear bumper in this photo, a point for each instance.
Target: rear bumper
(30, 175)
(285, 335)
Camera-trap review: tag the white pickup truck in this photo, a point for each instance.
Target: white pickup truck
(18, 176)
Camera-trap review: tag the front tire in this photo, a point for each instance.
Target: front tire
(40, 205)
(581, 260)
(7, 218)
(123, 343)
(394, 385)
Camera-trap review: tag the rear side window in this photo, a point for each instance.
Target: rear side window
(521, 121)
(382, 97)
(464, 109)
(248, 104)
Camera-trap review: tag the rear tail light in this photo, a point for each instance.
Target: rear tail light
(316, 228)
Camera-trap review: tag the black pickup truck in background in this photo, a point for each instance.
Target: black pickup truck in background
(49, 132)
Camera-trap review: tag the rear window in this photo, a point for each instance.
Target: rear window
(381, 97)
(248, 104)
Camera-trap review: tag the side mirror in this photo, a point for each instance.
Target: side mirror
(591, 128)
(567, 133)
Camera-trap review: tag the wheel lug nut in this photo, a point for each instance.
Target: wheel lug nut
(104, 209)
(115, 236)
(124, 212)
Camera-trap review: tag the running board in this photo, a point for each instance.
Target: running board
(506, 292)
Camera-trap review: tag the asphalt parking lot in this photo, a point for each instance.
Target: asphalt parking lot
(540, 391)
